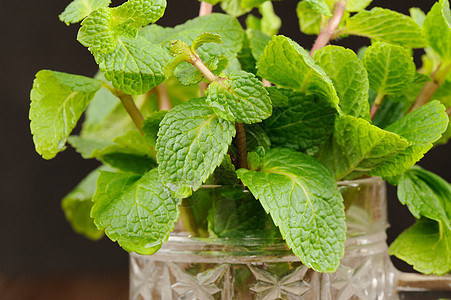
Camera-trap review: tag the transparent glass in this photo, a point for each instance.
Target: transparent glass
(192, 266)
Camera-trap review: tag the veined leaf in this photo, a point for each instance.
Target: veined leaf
(102, 29)
(57, 102)
(302, 198)
(386, 26)
(358, 147)
(426, 194)
(240, 97)
(391, 69)
(417, 15)
(426, 245)
(421, 128)
(135, 66)
(137, 212)
(192, 142)
(77, 10)
(287, 64)
(77, 206)
(437, 29)
(299, 121)
(257, 42)
(349, 77)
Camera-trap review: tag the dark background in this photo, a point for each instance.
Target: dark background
(34, 236)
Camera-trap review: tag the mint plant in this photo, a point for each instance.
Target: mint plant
(208, 102)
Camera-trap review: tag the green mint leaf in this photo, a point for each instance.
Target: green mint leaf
(152, 125)
(358, 147)
(206, 38)
(391, 69)
(226, 26)
(127, 162)
(180, 48)
(319, 7)
(309, 20)
(57, 102)
(235, 217)
(131, 142)
(256, 137)
(299, 121)
(240, 97)
(386, 26)
(246, 58)
(257, 42)
(426, 245)
(437, 29)
(417, 15)
(77, 206)
(137, 212)
(287, 64)
(192, 142)
(270, 22)
(234, 7)
(426, 194)
(302, 198)
(102, 30)
(349, 77)
(77, 10)
(357, 5)
(421, 128)
(135, 66)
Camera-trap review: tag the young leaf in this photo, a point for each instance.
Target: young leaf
(426, 194)
(391, 69)
(77, 10)
(421, 128)
(192, 142)
(135, 66)
(303, 200)
(57, 102)
(426, 245)
(299, 121)
(386, 26)
(349, 77)
(206, 38)
(270, 22)
(103, 29)
(234, 7)
(309, 20)
(287, 64)
(319, 7)
(249, 4)
(137, 212)
(240, 97)
(358, 147)
(226, 26)
(77, 206)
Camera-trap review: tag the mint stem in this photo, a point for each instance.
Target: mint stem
(266, 83)
(129, 105)
(205, 9)
(429, 89)
(376, 105)
(326, 33)
(197, 62)
(241, 146)
(448, 111)
(164, 103)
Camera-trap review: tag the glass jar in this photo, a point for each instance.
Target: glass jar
(193, 266)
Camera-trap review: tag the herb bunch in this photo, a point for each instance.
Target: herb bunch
(208, 102)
